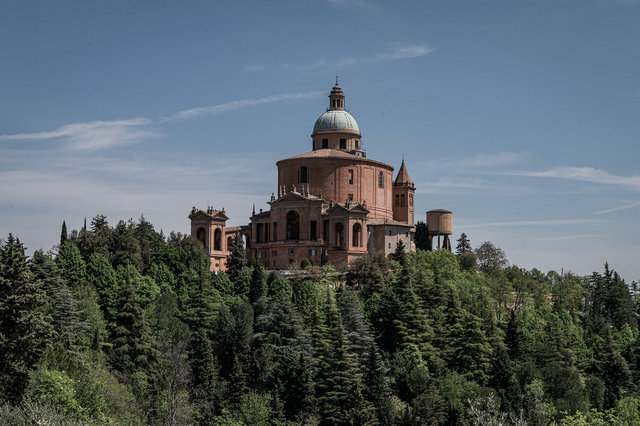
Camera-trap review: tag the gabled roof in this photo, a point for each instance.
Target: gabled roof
(295, 196)
(403, 176)
(351, 208)
(209, 214)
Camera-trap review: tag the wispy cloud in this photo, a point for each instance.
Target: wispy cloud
(552, 222)
(406, 51)
(586, 174)
(394, 53)
(352, 4)
(558, 238)
(97, 135)
(618, 208)
(239, 104)
(493, 160)
(256, 67)
(93, 135)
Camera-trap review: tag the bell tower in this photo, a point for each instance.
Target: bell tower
(208, 227)
(403, 197)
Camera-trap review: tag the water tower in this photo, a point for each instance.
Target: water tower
(439, 224)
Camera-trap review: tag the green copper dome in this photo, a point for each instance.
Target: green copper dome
(336, 120)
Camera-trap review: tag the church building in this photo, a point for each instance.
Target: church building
(333, 204)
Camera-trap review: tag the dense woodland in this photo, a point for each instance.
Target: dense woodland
(124, 325)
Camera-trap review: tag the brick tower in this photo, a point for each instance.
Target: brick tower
(403, 192)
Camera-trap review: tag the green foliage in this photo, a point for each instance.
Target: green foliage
(71, 264)
(237, 258)
(57, 388)
(256, 290)
(278, 287)
(25, 330)
(464, 245)
(128, 326)
(491, 259)
(422, 240)
(63, 233)
(101, 275)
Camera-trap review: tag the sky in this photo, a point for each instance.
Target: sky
(521, 117)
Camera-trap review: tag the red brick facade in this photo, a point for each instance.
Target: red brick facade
(333, 204)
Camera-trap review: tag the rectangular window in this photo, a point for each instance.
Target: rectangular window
(343, 144)
(291, 252)
(275, 231)
(274, 253)
(313, 252)
(260, 231)
(325, 230)
(350, 177)
(411, 200)
(314, 230)
(389, 245)
(350, 197)
(380, 180)
(325, 143)
(303, 176)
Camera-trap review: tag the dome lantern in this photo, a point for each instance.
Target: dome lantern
(336, 98)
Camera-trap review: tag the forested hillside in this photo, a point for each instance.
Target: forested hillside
(124, 325)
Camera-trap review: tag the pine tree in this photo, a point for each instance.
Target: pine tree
(131, 337)
(63, 233)
(72, 266)
(362, 346)
(101, 275)
(24, 330)
(464, 245)
(468, 349)
(63, 305)
(237, 258)
(339, 381)
(413, 327)
(399, 255)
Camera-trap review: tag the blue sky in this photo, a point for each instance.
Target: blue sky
(519, 116)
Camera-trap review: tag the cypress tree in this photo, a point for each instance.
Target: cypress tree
(422, 236)
(24, 330)
(256, 291)
(63, 233)
(237, 258)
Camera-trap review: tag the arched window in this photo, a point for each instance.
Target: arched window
(402, 200)
(217, 239)
(380, 180)
(201, 235)
(303, 176)
(339, 235)
(293, 226)
(357, 235)
(397, 200)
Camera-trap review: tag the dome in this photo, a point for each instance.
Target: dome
(336, 120)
